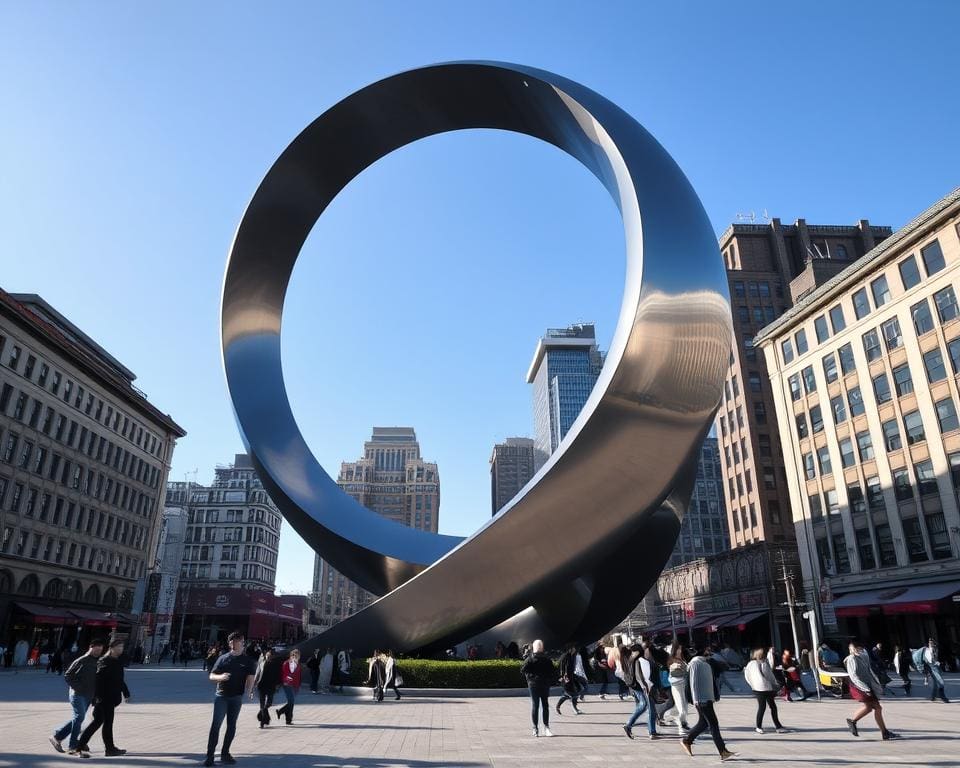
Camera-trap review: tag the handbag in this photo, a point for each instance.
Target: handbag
(398, 680)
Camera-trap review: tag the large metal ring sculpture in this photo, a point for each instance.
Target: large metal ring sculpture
(578, 548)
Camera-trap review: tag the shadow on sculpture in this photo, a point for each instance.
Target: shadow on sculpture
(581, 544)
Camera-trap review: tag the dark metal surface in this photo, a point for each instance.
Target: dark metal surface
(589, 534)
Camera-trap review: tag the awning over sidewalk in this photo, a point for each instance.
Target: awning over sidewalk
(741, 621)
(714, 622)
(93, 618)
(47, 614)
(922, 598)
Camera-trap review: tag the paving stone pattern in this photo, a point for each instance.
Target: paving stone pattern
(167, 720)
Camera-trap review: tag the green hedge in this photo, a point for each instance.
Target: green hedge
(426, 673)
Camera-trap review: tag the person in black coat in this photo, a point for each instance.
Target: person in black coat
(110, 689)
(267, 680)
(540, 674)
(568, 679)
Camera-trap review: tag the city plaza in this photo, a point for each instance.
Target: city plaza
(166, 722)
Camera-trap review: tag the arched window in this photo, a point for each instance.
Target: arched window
(6, 582)
(110, 598)
(92, 595)
(53, 590)
(73, 591)
(126, 600)
(29, 587)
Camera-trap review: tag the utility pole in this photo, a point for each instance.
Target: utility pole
(788, 583)
(186, 601)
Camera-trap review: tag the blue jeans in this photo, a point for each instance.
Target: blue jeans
(643, 704)
(287, 709)
(229, 707)
(73, 726)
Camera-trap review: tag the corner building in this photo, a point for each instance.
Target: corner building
(511, 468)
(393, 480)
(769, 267)
(864, 372)
(84, 457)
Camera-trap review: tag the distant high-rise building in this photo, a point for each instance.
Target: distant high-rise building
(393, 480)
(565, 366)
(704, 530)
(511, 467)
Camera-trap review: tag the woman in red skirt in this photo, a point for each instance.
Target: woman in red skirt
(865, 688)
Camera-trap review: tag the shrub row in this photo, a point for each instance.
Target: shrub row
(427, 673)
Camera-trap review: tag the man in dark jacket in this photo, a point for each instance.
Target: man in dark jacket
(81, 677)
(109, 690)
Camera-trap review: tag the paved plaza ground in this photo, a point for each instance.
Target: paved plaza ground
(167, 720)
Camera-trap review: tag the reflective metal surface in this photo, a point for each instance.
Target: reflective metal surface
(578, 548)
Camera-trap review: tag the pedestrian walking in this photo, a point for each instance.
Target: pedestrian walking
(313, 664)
(109, 690)
(901, 665)
(580, 667)
(792, 682)
(266, 680)
(931, 662)
(865, 688)
(234, 673)
(81, 676)
(391, 674)
(638, 675)
(327, 665)
(344, 660)
(764, 685)
(677, 677)
(568, 679)
(375, 675)
(290, 674)
(704, 693)
(540, 674)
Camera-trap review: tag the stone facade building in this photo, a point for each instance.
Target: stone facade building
(769, 267)
(864, 374)
(511, 468)
(84, 458)
(393, 480)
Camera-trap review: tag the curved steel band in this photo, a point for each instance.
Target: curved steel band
(587, 537)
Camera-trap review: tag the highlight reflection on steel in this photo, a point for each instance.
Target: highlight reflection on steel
(577, 549)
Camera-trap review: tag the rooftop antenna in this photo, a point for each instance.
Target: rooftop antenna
(744, 217)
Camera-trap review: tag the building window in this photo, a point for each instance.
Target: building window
(840, 550)
(738, 291)
(891, 435)
(909, 272)
(845, 353)
(801, 340)
(913, 534)
(922, 319)
(786, 348)
(749, 351)
(880, 291)
(836, 318)
(816, 419)
(946, 301)
(823, 459)
(809, 380)
(934, 365)
(801, 425)
(826, 562)
(754, 289)
(839, 409)
(764, 441)
(865, 446)
(902, 488)
(830, 368)
(874, 493)
(865, 549)
(939, 536)
(953, 348)
(816, 506)
(795, 392)
(891, 334)
(832, 502)
(881, 388)
(847, 459)
(861, 304)
(855, 400)
(754, 381)
(947, 415)
(926, 480)
(871, 345)
(888, 553)
(809, 467)
(932, 258)
(855, 497)
(820, 326)
(902, 380)
(760, 412)
(913, 425)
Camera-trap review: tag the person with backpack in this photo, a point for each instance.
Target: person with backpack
(568, 679)
(638, 676)
(704, 693)
(865, 688)
(540, 674)
(931, 666)
(81, 676)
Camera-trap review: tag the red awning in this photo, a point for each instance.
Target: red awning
(715, 620)
(94, 618)
(741, 621)
(48, 614)
(922, 598)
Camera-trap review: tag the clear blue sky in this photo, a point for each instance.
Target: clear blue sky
(132, 136)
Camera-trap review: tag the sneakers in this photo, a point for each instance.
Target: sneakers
(654, 736)
(629, 731)
(80, 752)
(547, 732)
(536, 733)
(887, 735)
(853, 727)
(727, 755)
(603, 697)
(758, 730)
(783, 730)
(56, 744)
(558, 709)
(687, 748)
(115, 752)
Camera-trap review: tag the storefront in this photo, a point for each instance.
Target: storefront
(209, 615)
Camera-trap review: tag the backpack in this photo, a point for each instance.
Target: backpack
(629, 673)
(917, 657)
